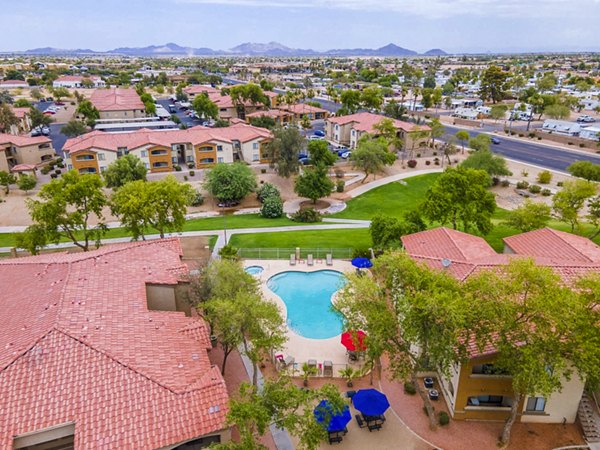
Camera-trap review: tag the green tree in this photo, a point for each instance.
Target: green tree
(284, 150)
(74, 128)
(437, 130)
(26, 182)
(66, 207)
(547, 82)
(263, 122)
(371, 156)
(204, 107)
(39, 119)
(314, 183)
(568, 202)
(22, 103)
(387, 130)
(463, 137)
(480, 142)
(6, 98)
(6, 179)
(124, 170)
(498, 112)
(395, 110)
(371, 98)
(320, 154)
(87, 83)
(534, 324)
(305, 122)
(493, 84)
(416, 316)
(586, 170)
(593, 215)
(557, 111)
(461, 196)
(89, 112)
(7, 118)
(60, 93)
(529, 216)
(386, 231)
(272, 207)
(230, 182)
(36, 94)
(350, 100)
(494, 165)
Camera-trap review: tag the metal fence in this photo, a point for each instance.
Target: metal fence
(300, 253)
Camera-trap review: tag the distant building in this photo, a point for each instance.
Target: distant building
(118, 103)
(561, 127)
(592, 133)
(13, 84)
(302, 109)
(77, 81)
(15, 150)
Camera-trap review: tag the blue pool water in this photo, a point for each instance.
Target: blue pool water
(307, 296)
(254, 270)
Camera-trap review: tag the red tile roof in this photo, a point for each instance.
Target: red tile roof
(14, 83)
(23, 141)
(303, 108)
(78, 343)
(76, 78)
(116, 99)
(135, 139)
(364, 121)
(20, 112)
(198, 89)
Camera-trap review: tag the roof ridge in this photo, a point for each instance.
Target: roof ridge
(451, 237)
(28, 348)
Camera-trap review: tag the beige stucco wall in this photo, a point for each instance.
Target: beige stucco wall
(561, 405)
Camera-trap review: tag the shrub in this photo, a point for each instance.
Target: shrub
(185, 178)
(272, 207)
(434, 153)
(361, 252)
(524, 173)
(418, 155)
(522, 184)
(427, 162)
(58, 171)
(535, 189)
(61, 165)
(436, 161)
(559, 184)
(228, 252)
(544, 177)
(531, 135)
(443, 418)
(267, 190)
(263, 170)
(177, 168)
(339, 173)
(308, 215)
(512, 133)
(190, 165)
(411, 163)
(581, 145)
(546, 192)
(521, 135)
(197, 199)
(45, 170)
(539, 138)
(53, 175)
(495, 181)
(340, 185)
(569, 143)
(505, 183)
(409, 388)
(192, 173)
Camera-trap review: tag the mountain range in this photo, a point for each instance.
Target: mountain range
(245, 49)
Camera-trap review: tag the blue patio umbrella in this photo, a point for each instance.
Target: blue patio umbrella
(370, 402)
(362, 263)
(338, 422)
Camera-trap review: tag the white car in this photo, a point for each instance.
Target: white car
(314, 137)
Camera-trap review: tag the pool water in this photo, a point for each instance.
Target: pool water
(307, 296)
(254, 270)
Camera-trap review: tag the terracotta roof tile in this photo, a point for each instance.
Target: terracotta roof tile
(116, 99)
(364, 121)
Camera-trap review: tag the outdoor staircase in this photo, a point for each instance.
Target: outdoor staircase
(589, 418)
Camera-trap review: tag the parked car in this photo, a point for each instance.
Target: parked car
(304, 161)
(319, 133)
(314, 137)
(36, 132)
(59, 103)
(302, 155)
(45, 131)
(341, 150)
(172, 108)
(346, 155)
(495, 140)
(586, 119)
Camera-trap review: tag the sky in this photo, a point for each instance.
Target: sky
(457, 26)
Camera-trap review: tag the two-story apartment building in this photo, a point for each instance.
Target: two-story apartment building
(28, 150)
(476, 390)
(24, 124)
(160, 150)
(347, 130)
(118, 103)
(301, 110)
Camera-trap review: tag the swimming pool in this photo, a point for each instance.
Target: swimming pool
(254, 270)
(307, 296)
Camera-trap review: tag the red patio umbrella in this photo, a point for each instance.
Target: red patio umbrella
(354, 340)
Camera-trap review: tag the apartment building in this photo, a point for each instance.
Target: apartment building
(118, 103)
(24, 124)
(280, 116)
(301, 110)
(476, 390)
(160, 150)
(347, 130)
(99, 350)
(15, 150)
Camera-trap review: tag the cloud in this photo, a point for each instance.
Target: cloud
(526, 9)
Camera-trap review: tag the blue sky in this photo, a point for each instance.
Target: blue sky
(453, 25)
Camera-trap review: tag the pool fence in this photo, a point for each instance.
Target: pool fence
(299, 252)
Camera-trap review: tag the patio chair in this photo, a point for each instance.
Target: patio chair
(329, 259)
(309, 260)
(312, 363)
(292, 259)
(288, 361)
(359, 421)
(335, 438)
(327, 368)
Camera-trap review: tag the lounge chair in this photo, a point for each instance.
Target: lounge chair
(329, 259)
(292, 259)
(288, 361)
(327, 368)
(309, 260)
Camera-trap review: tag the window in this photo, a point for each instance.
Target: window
(158, 152)
(87, 170)
(44, 146)
(487, 369)
(189, 158)
(494, 401)
(144, 153)
(219, 148)
(102, 168)
(207, 161)
(160, 164)
(100, 156)
(255, 146)
(147, 165)
(122, 151)
(537, 404)
(85, 158)
(255, 157)
(206, 148)
(69, 166)
(220, 159)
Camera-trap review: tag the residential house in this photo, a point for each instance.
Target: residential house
(466, 113)
(75, 81)
(195, 89)
(592, 133)
(118, 103)
(280, 116)
(13, 84)
(15, 149)
(476, 390)
(561, 127)
(347, 130)
(100, 350)
(300, 110)
(161, 150)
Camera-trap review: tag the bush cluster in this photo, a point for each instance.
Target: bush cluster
(522, 184)
(411, 163)
(535, 189)
(272, 204)
(307, 215)
(544, 177)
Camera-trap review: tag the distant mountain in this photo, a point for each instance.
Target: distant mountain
(245, 49)
(435, 52)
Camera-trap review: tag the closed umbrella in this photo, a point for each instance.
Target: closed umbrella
(370, 402)
(362, 263)
(337, 422)
(354, 341)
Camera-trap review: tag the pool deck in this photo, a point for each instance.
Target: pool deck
(300, 348)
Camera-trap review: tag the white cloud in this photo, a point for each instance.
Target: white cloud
(527, 9)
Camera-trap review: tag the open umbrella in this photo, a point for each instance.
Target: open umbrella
(362, 263)
(354, 341)
(338, 422)
(370, 402)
